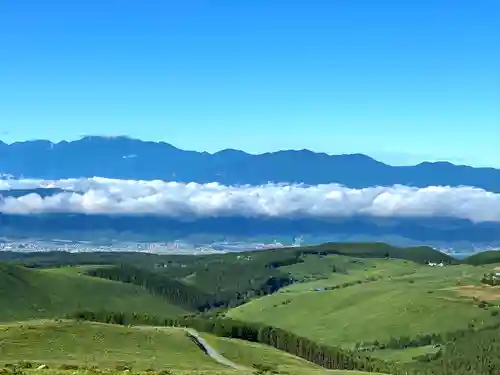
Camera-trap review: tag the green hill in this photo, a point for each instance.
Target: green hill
(32, 293)
(316, 271)
(177, 292)
(377, 300)
(418, 254)
(221, 280)
(475, 353)
(485, 257)
(250, 353)
(79, 345)
(67, 343)
(359, 305)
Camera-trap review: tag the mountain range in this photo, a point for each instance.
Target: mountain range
(158, 228)
(127, 158)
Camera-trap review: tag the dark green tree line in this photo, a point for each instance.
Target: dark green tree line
(328, 357)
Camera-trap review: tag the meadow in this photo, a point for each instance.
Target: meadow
(66, 346)
(383, 299)
(66, 343)
(343, 306)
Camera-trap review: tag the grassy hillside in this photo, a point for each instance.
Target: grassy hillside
(401, 299)
(485, 257)
(418, 254)
(71, 345)
(250, 353)
(175, 291)
(335, 270)
(477, 353)
(232, 279)
(407, 355)
(30, 293)
(107, 346)
(228, 279)
(371, 298)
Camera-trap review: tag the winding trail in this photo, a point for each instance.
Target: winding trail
(211, 351)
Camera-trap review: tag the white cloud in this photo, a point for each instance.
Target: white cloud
(100, 195)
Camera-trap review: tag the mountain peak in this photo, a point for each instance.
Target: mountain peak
(230, 151)
(105, 138)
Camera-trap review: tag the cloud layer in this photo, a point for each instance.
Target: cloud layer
(173, 199)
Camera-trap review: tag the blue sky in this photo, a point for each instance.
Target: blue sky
(400, 80)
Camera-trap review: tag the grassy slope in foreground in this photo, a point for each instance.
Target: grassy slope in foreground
(101, 345)
(107, 346)
(30, 293)
(409, 300)
(249, 353)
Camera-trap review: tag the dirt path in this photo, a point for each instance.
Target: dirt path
(211, 351)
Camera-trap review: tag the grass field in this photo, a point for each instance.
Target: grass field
(249, 353)
(408, 300)
(107, 346)
(193, 371)
(404, 355)
(74, 270)
(338, 300)
(76, 345)
(317, 272)
(31, 293)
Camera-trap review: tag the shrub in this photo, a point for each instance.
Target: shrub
(69, 366)
(123, 367)
(24, 364)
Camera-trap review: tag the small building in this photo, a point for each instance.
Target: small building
(432, 264)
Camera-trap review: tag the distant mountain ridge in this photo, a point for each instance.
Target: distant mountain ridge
(127, 158)
(160, 228)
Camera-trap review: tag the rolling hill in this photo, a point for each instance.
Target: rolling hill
(250, 353)
(373, 300)
(92, 344)
(484, 257)
(70, 345)
(223, 279)
(33, 293)
(359, 306)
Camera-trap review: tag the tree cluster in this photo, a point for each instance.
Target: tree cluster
(475, 353)
(192, 297)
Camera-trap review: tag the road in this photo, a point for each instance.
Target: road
(211, 351)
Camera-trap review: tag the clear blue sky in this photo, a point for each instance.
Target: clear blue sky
(400, 80)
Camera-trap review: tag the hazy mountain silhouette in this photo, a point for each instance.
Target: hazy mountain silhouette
(127, 158)
(141, 227)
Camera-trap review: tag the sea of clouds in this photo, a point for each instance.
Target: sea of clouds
(174, 199)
